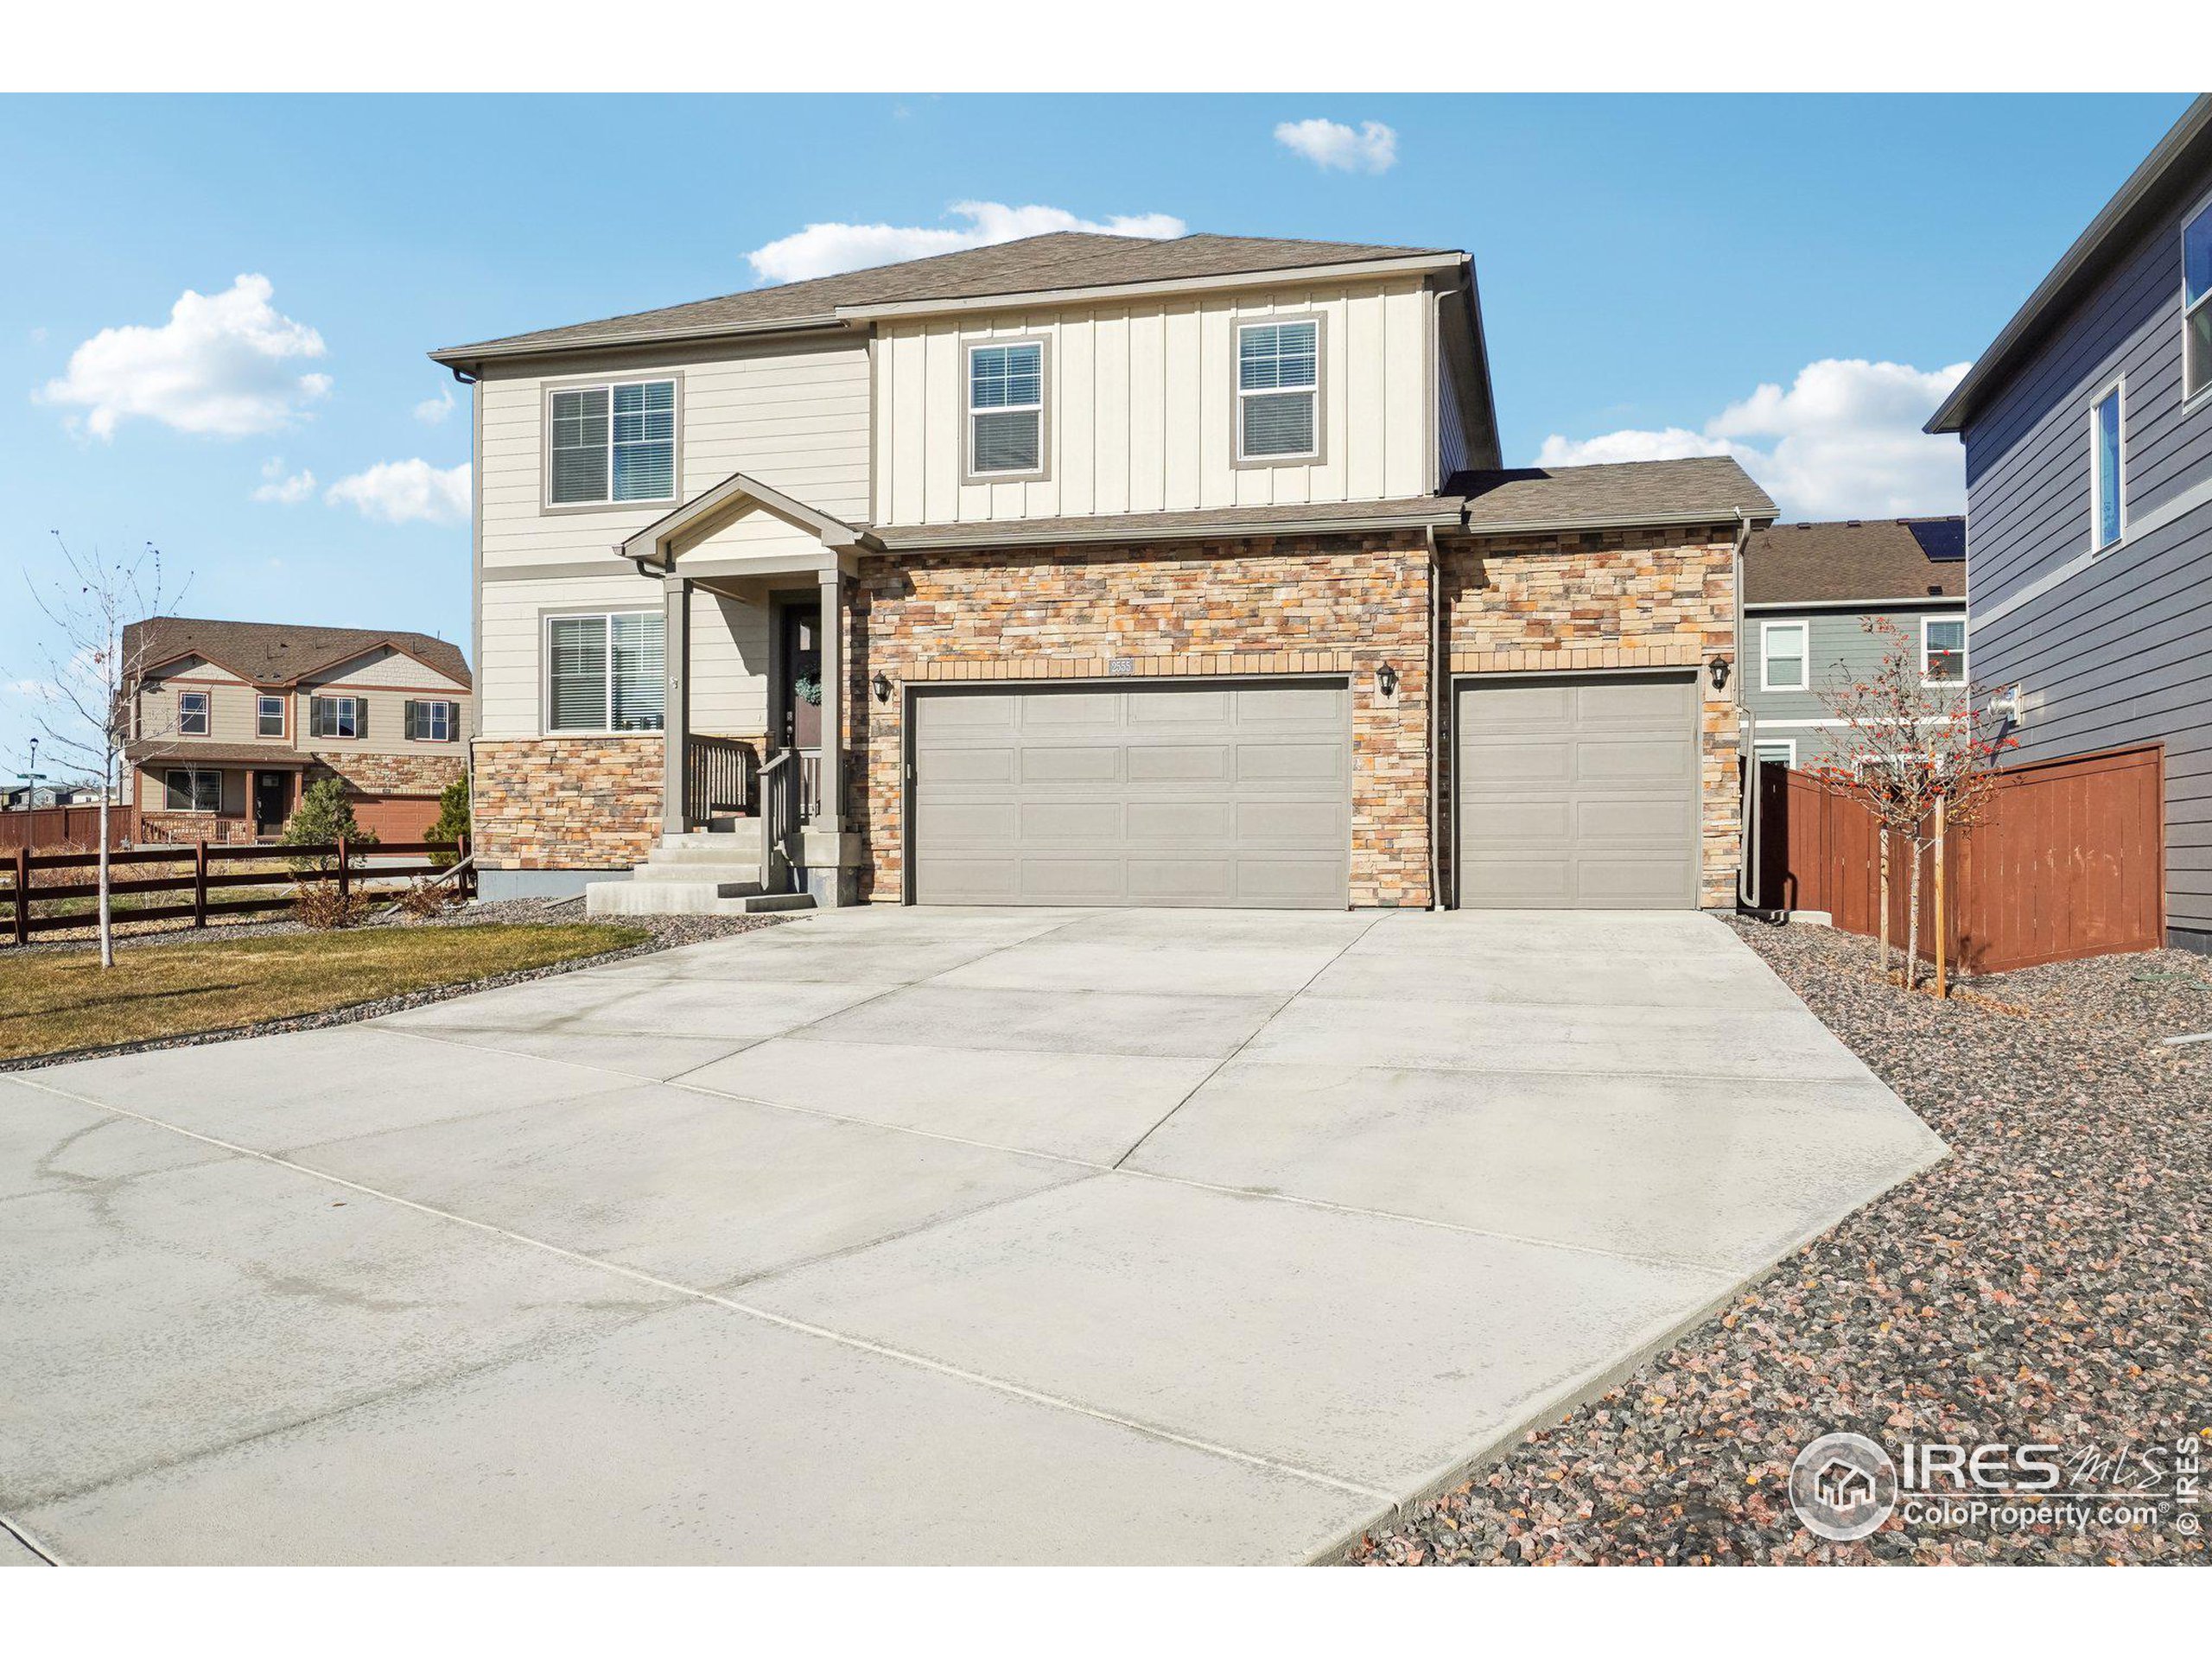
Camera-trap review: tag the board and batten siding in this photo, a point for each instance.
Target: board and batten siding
(792, 414)
(1140, 406)
(2113, 648)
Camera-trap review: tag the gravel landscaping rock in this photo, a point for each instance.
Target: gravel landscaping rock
(666, 933)
(2046, 1283)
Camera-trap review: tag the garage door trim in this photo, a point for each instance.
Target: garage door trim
(1693, 673)
(914, 692)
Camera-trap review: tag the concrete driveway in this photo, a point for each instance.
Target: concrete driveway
(914, 1236)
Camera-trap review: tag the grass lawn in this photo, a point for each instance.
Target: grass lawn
(52, 1002)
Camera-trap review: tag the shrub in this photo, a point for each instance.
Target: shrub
(453, 818)
(424, 902)
(319, 905)
(323, 815)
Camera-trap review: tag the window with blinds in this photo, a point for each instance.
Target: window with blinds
(1278, 389)
(605, 673)
(612, 443)
(1006, 408)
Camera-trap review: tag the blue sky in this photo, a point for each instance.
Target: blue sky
(1647, 264)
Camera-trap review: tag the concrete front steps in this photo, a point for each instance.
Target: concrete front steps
(701, 873)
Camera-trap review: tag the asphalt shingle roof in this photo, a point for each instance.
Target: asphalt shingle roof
(1061, 259)
(1857, 559)
(1619, 492)
(276, 653)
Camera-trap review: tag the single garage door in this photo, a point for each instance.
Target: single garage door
(1579, 794)
(397, 817)
(1216, 793)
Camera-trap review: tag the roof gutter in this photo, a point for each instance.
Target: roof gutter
(470, 357)
(1615, 521)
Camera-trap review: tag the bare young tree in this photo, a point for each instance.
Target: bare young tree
(1912, 741)
(91, 685)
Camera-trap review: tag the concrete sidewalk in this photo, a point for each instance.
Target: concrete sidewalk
(904, 1236)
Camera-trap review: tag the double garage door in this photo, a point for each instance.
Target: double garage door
(1217, 793)
(1574, 792)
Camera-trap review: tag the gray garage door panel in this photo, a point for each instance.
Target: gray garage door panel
(1164, 794)
(1579, 792)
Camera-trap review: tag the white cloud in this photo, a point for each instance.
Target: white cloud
(1843, 441)
(1331, 144)
(432, 412)
(282, 488)
(825, 249)
(226, 363)
(401, 491)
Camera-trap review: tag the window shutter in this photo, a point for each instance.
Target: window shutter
(414, 720)
(360, 717)
(314, 717)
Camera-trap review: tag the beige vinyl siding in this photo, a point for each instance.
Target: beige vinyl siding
(793, 414)
(230, 705)
(1140, 406)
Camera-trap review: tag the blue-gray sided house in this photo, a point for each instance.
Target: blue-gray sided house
(1810, 590)
(2088, 426)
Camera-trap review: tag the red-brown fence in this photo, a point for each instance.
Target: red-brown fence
(63, 826)
(29, 905)
(2069, 862)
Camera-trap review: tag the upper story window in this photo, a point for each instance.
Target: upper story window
(1279, 390)
(605, 673)
(434, 721)
(1783, 651)
(192, 713)
(2108, 470)
(2196, 303)
(268, 716)
(336, 718)
(1943, 650)
(611, 443)
(1006, 409)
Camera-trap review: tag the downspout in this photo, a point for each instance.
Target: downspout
(1747, 862)
(1439, 689)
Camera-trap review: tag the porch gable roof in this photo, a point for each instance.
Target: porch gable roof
(653, 540)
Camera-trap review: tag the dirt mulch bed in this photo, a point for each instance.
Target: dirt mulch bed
(661, 933)
(2046, 1283)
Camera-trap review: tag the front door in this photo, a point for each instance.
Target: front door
(268, 803)
(798, 703)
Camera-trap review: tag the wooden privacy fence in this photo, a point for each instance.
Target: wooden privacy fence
(68, 896)
(63, 826)
(2069, 862)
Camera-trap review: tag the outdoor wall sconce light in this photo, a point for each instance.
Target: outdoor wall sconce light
(1719, 668)
(880, 686)
(1386, 680)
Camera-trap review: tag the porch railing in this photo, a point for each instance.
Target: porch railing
(720, 777)
(781, 792)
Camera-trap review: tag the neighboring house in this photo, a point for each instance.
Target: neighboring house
(234, 720)
(2088, 426)
(1129, 572)
(19, 798)
(1810, 591)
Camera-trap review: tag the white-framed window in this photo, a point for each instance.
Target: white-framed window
(1006, 408)
(1777, 751)
(605, 671)
(1942, 649)
(1279, 389)
(335, 716)
(436, 721)
(2108, 468)
(192, 713)
(1782, 649)
(192, 789)
(2197, 302)
(268, 716)
(611, 443)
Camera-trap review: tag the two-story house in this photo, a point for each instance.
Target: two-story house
(1811, 591)
(232, 720)
(2087, 428)
(1087, 570)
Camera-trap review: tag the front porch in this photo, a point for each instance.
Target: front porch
(754, 780)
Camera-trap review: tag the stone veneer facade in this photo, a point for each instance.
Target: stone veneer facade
(1339, 606)
(1611, 599)
(567, 803)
